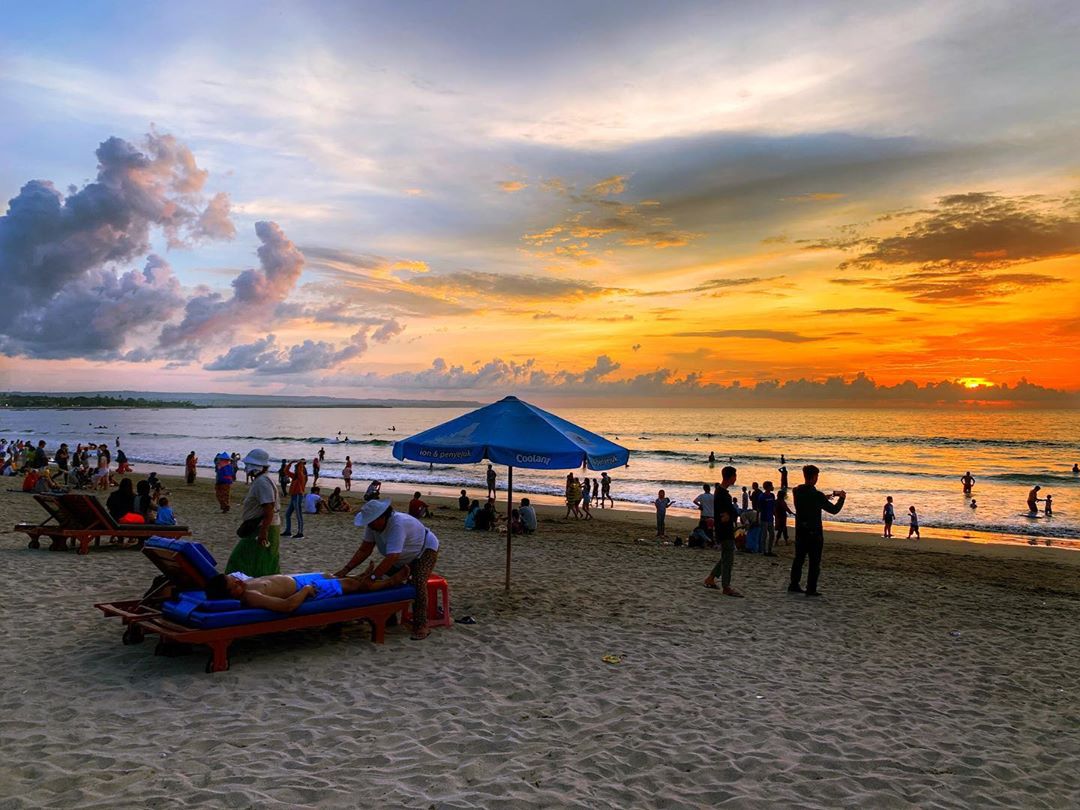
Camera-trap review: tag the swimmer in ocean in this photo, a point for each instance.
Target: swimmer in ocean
(968, 481)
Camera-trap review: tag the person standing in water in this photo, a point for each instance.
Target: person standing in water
(1048, 510)
(1033, 500)
(968, 481)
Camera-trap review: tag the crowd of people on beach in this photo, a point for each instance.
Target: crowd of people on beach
(753, 520)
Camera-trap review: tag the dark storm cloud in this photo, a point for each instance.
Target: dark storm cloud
(980, 229)
(95, 314)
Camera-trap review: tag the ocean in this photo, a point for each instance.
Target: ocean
(916, 456)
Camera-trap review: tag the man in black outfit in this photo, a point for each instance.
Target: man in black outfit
(726, 517)
(809, 535)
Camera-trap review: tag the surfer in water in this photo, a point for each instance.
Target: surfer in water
(968, 481)
(1033, 500)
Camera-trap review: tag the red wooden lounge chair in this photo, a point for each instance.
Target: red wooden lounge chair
(180, 614)
(83, 520)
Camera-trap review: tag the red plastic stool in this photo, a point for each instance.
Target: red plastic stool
(438, 614)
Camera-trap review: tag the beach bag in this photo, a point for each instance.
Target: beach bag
(249, 527)
(753, 539)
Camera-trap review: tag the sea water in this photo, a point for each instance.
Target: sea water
(917, 456)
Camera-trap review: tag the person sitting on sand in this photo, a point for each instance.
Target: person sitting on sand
(528, 516)
(1033, 500)
(314, 503)
(417, 508)
(284, 593)
(337, 503)
(165, 515)
(463, 502)
(373, 491)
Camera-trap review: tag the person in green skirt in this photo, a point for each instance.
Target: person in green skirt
(258, 553)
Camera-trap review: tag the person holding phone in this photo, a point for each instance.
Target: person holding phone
(809, 534)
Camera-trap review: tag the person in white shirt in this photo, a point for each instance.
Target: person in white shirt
(403, 541)
(704, 502)
(313, 502)
(528, 516)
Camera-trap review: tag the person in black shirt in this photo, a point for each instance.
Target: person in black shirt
(726, 517)
(809, 534)
(463, 502)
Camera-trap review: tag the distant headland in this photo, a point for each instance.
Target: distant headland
(163, 399)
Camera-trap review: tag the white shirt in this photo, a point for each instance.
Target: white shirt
(704, 502)
(403, 535)
(311, 502)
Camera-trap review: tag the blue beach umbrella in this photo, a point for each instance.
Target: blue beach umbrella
(516, 434)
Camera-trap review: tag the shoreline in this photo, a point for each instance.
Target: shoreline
(862, 530)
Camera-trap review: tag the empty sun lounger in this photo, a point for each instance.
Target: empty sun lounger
(177, 610)
(82, 520)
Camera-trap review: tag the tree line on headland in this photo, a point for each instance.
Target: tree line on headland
(82, 401)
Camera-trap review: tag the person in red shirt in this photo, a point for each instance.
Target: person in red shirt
(417, 508)
(297, 489)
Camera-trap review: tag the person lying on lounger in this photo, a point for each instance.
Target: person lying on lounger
(284, 593)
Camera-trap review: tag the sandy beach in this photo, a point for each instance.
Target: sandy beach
(931, 674)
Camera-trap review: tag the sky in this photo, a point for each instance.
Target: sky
(586, 203)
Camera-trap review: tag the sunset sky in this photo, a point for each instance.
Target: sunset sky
(583, 202)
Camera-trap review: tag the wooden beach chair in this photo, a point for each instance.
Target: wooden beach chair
(177, 610)
(82, 520)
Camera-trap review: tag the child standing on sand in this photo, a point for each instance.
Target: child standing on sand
(661, 503)
(914, 530)
(888, 514)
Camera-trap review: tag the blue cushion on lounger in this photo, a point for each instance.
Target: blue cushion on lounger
(195, 553)
(182, 611)
(202, 602)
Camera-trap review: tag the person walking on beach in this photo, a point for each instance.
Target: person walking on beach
(782, 512)
(190, 465)
(404, 542)
(913, 530)
(346, 474)
(224, 475)
(605, 490)
(258, 552)
(767, 510)
(888, 514)
(316, 468)
(491, 482)
(283, 476)
(297, 490)
(1033, 500)
(586, 498)
(661, 503)
(573, 496)
(809, 533)
(968, 481)
(726, 517)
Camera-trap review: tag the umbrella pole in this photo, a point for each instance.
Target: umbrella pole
(509, 507)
